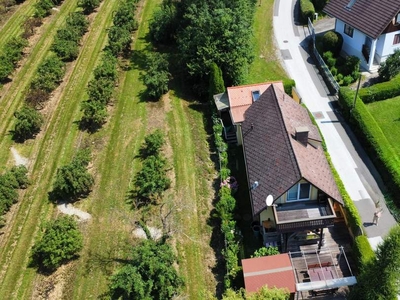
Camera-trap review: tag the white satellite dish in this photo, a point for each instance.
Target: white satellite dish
(269, 200)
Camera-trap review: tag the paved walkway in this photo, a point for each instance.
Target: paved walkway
(354, 167)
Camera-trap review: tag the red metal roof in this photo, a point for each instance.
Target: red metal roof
(273, 271)
(240, 98)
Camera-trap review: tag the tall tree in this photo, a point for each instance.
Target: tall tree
(28, 123)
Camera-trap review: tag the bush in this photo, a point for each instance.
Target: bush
(43, 8)
(306, 10)
(216, 84)
(266, 251)
(347, 80)
(381, 91)
(153, 143)
(329, 59)
(49, 74)
(152, 180)
(288, 85)
(363, 252)
(332, 41)
(12, 180)
(333, 71)
(60, 243)
(351, 66)
(88, 6)
(73, 181)
(28, 123)
(149, 274)
(157, 76)
(391, 67)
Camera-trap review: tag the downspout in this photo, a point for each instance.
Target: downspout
(372, 54)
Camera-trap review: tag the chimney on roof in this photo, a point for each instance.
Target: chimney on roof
(351, 3)
(302, 135)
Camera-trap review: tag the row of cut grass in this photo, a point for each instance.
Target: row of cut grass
(387, 115)
(13, 96)
(266, 66)
(56, 146)
(13, 26)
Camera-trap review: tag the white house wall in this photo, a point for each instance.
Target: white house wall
(386, 47)
(352, 45)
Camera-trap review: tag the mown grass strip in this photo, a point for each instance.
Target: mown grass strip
(14, 25)
(57, 144)
(14, 96)
(266, 66)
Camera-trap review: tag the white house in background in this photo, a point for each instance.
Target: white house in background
(370, 28)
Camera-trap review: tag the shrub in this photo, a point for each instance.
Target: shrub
(49, 74)
(157, 76)
(73, 181)
(347, 80)
(151, 181)
(391, 67)
(381, 91)
(216, 84)
(329, 59)
(149, 274)
(339, 78)
(153, 143)
(288, 85)
(10, 181)
(332, 41)
(333, 71)
(351, 66)
(363, 252)
(266, 251)
(28, 123)
(60, 243)
(306, 10)
(43, 8)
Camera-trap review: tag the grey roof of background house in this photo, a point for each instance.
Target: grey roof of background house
(368, 16)
(274, 157)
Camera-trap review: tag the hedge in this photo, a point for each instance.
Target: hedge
(362, 251)
(352, 215)
(307, 10)
(288, 85)
(375, 143)
(381, 91)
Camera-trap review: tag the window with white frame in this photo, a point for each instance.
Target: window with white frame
(396, 39)
(300, 191)
(397, 19)
(348, 30)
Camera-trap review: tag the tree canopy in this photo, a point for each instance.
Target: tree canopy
(73, 181)
(28, 123)
(60, 243)
(391, 67)
(149, 274)
(264, 293)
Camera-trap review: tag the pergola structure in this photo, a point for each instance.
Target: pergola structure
(321, 271)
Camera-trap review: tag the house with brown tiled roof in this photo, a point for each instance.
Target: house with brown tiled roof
(370, 29)
(292, 188)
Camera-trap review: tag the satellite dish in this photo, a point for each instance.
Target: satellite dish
(269, 200)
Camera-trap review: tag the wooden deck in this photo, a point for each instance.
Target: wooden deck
(306, 255)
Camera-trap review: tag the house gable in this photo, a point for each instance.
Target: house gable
(274, 157)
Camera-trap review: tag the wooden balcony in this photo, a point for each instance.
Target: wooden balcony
(300, 216)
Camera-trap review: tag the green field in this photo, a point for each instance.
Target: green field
(108, 237)
(387, 114)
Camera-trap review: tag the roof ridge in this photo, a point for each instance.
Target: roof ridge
(254, 84)
(286, 136)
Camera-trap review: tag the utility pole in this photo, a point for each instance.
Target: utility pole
(358, 87)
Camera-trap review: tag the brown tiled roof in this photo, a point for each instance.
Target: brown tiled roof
(368, 16)
(274, 271)
(240, 98)
(274, 157)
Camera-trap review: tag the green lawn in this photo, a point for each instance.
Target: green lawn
(387, 115)
(266, 66)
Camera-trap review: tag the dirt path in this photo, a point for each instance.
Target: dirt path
(19, 160)
(70, 210)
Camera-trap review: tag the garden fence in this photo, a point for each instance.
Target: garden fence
(322, 66)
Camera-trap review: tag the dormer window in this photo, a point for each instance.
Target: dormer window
(397, 19)
(256, 95)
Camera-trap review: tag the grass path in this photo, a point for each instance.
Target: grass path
(13, 26)
(50, 150)
(12, 97)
